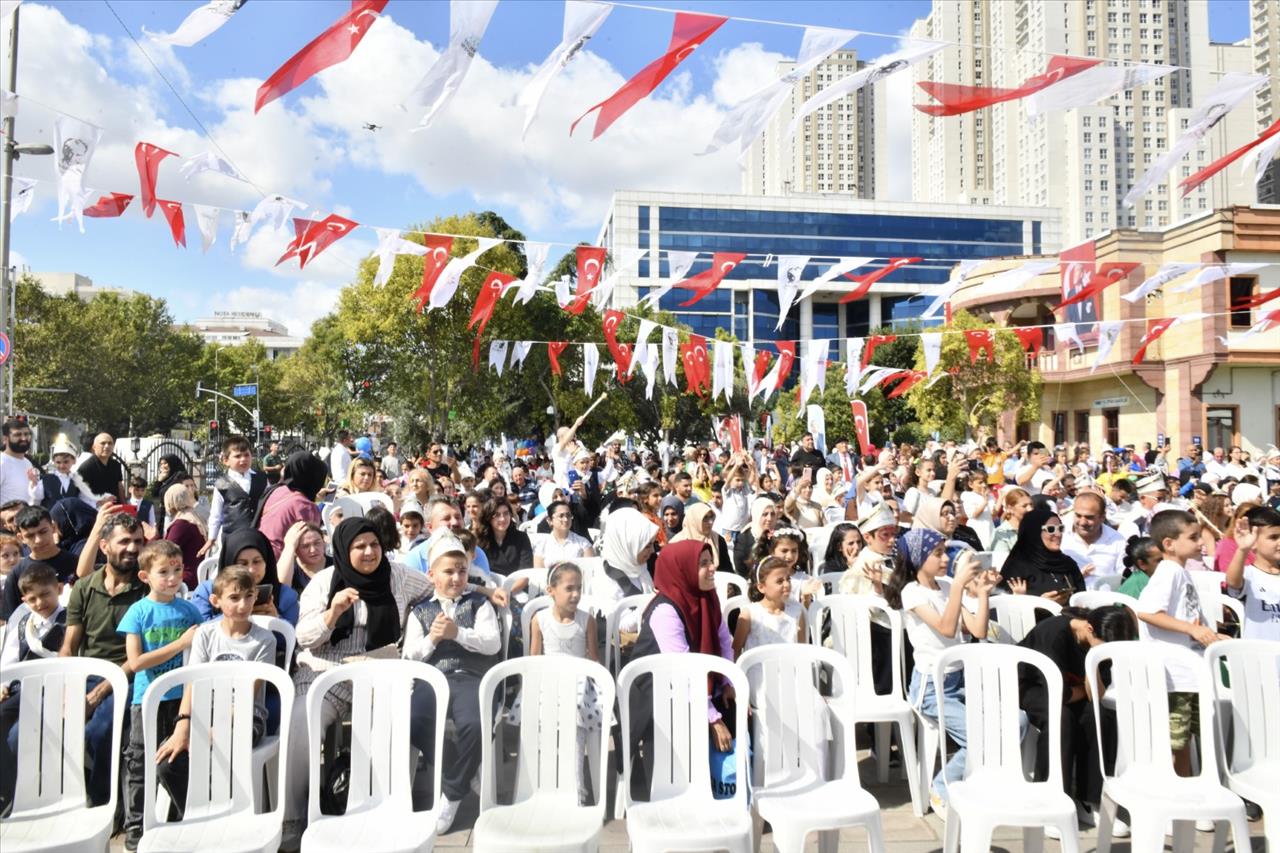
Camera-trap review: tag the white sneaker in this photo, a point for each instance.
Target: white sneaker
(1085, 816)
(938, 804)
(1205, 825)
(448, 811)
(1119, 829)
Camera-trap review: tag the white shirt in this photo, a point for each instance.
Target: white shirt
(977, 508)
(37, 488)
(552, 551)
(1037, 482)
(37, 629)
(1172, 591)
(215, 509)
(1261, 594)
(928, 643)
(735, 510)
(14, 485)
(483, 639)
(1107, 554)
(339, 462)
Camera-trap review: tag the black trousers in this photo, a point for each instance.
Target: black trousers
(462, 751)
(1081, 762)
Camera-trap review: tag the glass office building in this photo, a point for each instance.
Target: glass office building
(823, 228)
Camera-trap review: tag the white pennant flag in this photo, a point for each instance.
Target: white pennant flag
(275, 210)
(650, 372)
(1230, 91)
(678, 265)
(873, 376)
(944, 293)
(1262, 325)
(1018, 276)
(852, 364)
(1093, 85)
(622, 262)
(1068, 332)
(1217, 272)
(1165, 274)
(468, 19)
(892, 63)
(1259, 158)
(749, 369)
(8, 102)
(209, 162)
(813, 367)
(563, 293)
(932, 345)
(839, 268)
(519, 352)
(581, 20)
(498, 355)
(670, 354)
(536, 257)
(590, 364)
(200, 24)
(207, 220)
(1108, 333)
(640, 352)
(74, 142)
(722, 371)
(390, 244)
(242, 227)
(747, 120)
(24, 192)
(790, 271)
(447, 284)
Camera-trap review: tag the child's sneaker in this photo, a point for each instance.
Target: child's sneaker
(938, 804)
(448, 812)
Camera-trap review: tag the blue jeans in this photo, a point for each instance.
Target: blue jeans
(97, 745)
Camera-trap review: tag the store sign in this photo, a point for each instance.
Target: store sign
(1110, 402)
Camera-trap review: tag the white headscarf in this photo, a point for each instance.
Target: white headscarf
(626, 533)
(758, 507)
(822, 485)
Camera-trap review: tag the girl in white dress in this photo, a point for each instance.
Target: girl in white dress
(773, 616)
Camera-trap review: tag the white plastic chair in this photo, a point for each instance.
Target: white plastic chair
(368, 500)
(817, 538)
(613, 628)
(219, 813)
(994, 757)
(379, 814)
(1016, 614)
(592, 567)
(1102, 598)
(50, 811)
(546, 814)
(266, 754)
(734, 605)
(726, 581)
(831, 581)
(682, 813)
(1102, 583)
(1213, 600)
(1253, 700)
(791, 785)
(207, 569)
(1144, 781)
(537, 579)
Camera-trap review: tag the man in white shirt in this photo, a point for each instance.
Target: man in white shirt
(340, 457)
(1035, 474)
(17, 474)
(1097, 549)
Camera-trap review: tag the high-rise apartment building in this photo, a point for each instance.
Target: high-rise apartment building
(1264, 29)
(833, 150)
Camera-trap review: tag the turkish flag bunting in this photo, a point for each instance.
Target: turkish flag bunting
(865, 281)
(980, 341)
(690, 30)
(433, 263)
(1190, 183)
(611, 321)
(1032, 338)
(332, 46)
(109, 205)
(475, 355)
(624, 351)
(872, 342)
(786, 358)
(690, 368)
(1155, 328)
(590, 265)
(554, 348)
(172, 211)
(722, 263)
(906, 379)
(311, 237)
(761, 367)
(487, 298)
(955, 98)
(862, 426)
(701, 363)
(1098, 280)
(148, 158)
(1255, 301)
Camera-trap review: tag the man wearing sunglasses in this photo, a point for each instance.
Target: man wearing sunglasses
(1097, 549)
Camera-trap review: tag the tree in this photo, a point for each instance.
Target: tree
(974, 397)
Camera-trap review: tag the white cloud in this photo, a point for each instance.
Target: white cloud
(297, 307)
(744, 70)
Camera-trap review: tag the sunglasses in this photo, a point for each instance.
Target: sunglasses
(1051, 529)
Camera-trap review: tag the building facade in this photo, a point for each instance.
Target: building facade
(1202, 381)
(1264, 39)
(231, 328)
(74, 284)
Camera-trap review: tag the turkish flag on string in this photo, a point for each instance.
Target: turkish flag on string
(955, 98)
(1097, 280)
(554, 348)
(690, 30)
(1032, 338)
(1255, 301)
(433, 263)
(690, 369)
(906, 379)
(722, 263)
(865, 281)
(1190, 183)
(172, 211)
(311, 237)
(872, 342)
(624, 352)
(590, 266)
(331, 47)
(148, 158)
(1155, 328)
(862, 427)
(786, 358)
(701, 363)
(610, 322)
(981, 341)
(761, 367)
(487, 298)
(108, 206)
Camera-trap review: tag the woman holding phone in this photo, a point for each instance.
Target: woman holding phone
(1036, 564)
(252, 549)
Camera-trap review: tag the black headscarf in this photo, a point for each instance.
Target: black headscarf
(676, 504)
(382, 620)
(1043, 570)
(304, 473)
(241, 540)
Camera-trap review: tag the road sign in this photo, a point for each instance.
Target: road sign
(250, 390)
(4, 348)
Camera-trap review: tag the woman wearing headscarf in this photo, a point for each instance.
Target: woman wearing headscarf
(169, 470)
(355, 607)
(628, 540)
(293, 499)
(699, 521)
(764, 513)
(671, 514)
(185, 529)
(250, 548)
(1036, 564)
(943, 517)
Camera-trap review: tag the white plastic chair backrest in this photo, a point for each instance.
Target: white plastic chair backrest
(1254, 691)
(220, 780)
(1139, 686)
(592, 567)
(530, 526)
(726, 581)
(790, 715)
(613, 627)
(531, 607)
(51, 721)
(817, 537)
(733, 605)
(994, 736)
(368, 500)
(1102, 598)
(537, 579)
(380, 754)
(1108, 582)
(1016, 614)
(207, 569)
(547, 758)
(679, 691)
(1209, 588)
(283, 631)
(851, 619)
(350, 507)
(831, 581)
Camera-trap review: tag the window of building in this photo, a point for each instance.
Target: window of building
(1082, 426)
(1220, 426)
(1239, 289)
(1059, 423)
(1111, 426)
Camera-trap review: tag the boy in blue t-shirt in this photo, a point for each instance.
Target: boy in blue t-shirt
(157, 629)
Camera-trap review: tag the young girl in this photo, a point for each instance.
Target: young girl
(843, 547)
(10, 556)
(773, 615)
(790, 546)
(936, 619)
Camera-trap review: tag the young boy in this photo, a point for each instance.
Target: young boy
(234, 637)
(59, 483)
(1169, 611)
(1259, 584)
(411, 523)
(38, 533)
(138, 500)
(457, 632)
(157, 629)
(36, 631)
(236, 493)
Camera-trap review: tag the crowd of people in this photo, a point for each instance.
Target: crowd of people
(378, 552)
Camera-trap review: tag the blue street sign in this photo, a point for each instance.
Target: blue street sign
(4, 347)
(250, 390)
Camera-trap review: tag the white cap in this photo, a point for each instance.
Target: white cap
(1245, 492)
(465, 472)
(1151, 485)
(446, 544)
(63, 447)
(881, 516)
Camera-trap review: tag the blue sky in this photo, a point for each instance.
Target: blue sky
(310, 146)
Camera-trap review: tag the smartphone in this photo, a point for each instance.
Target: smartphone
(984, 560)
(128, 509)
(264, 594)
(573, 476)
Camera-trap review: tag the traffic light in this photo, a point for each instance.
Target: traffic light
(213, 427)
(266, 432)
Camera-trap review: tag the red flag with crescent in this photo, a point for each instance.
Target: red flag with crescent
(433, 263)
(1099, 280)
(148, 158)
(590, 266)
(1032, 338)
(314, 236)
(111, 205)
(722, 263)
(862, 427)
(554, 348)
(980, 341)
(786, 358)
(872, 342)
(955, 98)
(906, 379)
(865, 281)
(611, 321)
(624, 351)
(475, 354)
(172, 211)
(1155, 328)
(702, 364)
(331, 47)
(487, 298)
(1190, 183)
(760, 368)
